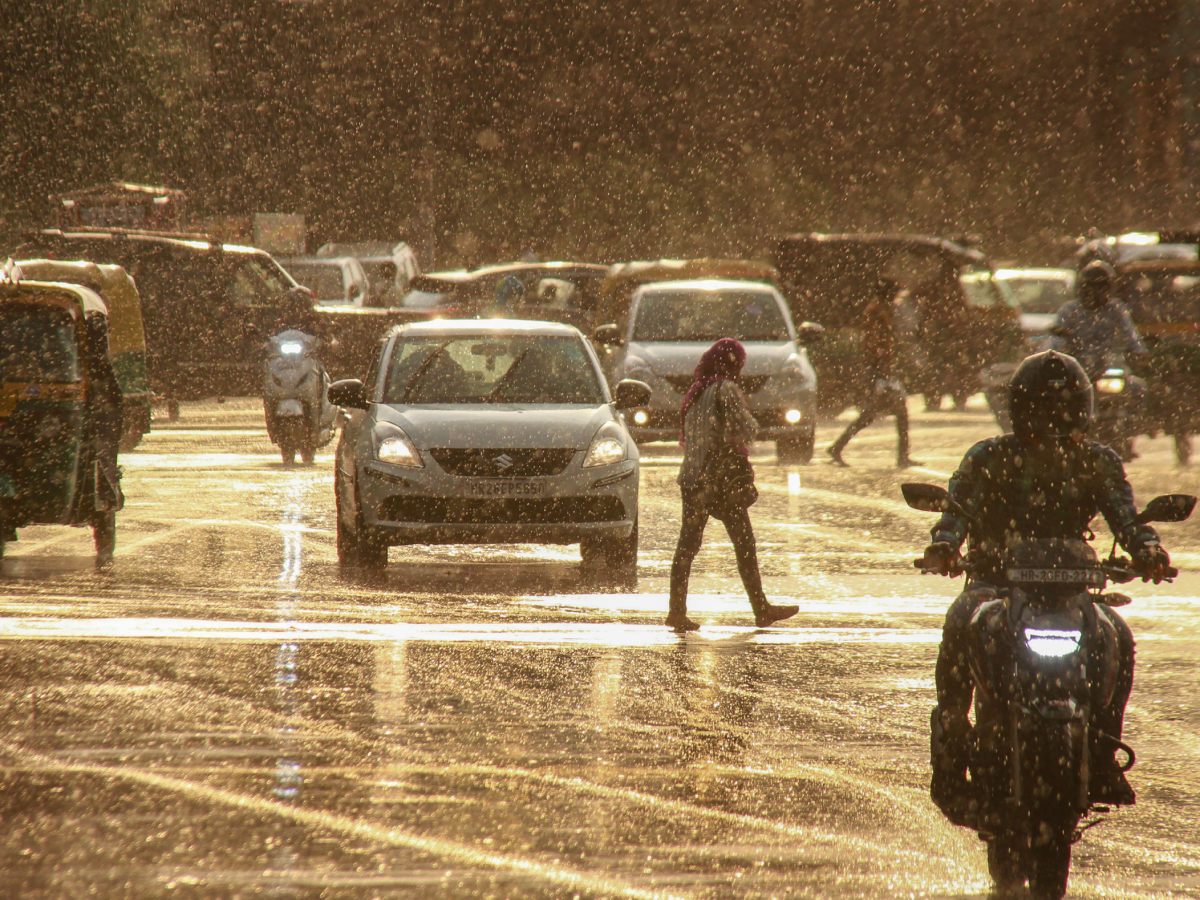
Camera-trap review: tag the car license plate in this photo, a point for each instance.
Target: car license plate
(491, 488)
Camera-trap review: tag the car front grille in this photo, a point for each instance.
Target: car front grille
(751, 384)
(505, 511)
(519, 463)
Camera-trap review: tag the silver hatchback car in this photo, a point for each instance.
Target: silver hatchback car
(488, 431)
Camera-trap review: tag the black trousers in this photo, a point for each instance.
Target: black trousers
(879, 404)
(953, 675)
(691, 537)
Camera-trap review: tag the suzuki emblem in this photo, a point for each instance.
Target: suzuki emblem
(503, 462)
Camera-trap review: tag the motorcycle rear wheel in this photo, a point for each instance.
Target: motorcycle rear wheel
(1050, 868)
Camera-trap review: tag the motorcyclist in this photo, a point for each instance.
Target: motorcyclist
(1044, 480)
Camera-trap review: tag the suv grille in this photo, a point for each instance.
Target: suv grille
(502, 463)
(524, 510)
(750, 384)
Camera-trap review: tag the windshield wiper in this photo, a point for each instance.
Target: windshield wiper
(491, 397)
(422, 369)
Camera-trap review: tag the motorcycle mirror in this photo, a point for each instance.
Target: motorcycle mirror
(1167, 508)
(925, 497)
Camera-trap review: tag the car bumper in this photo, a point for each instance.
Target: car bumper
(429, 506)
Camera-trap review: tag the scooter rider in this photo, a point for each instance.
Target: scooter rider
(1097, 326)
(1045, 480)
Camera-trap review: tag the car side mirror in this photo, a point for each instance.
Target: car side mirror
(631, 394)
(926, 497)
(1167, 508)
(810, 333)
(348, 393)
(607, 336)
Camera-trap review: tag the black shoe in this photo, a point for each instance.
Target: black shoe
(835, 457)
(771, 613)
(681, 623)
(907, 462)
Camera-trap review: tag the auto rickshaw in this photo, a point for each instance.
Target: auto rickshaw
(1163, 296)
(59, 412)
(126, 335)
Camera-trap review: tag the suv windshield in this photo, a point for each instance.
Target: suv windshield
(492, 368)
(37, 344)
(708, 316)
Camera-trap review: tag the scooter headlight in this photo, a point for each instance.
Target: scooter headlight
(1111, 382)
(1053, 642)
(291, 348)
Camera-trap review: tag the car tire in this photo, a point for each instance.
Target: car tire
(613, 560)
(797, 449)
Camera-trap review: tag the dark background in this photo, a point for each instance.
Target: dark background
(607, 130)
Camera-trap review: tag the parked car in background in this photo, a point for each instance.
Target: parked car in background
(338, 280)
(958, 321)
(559, 291)
(390, 267)
(669, 326)
(487, 431)
(207, 306)
(1038, 294)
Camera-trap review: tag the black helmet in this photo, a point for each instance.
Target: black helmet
(1095, 283)
(1049, 396)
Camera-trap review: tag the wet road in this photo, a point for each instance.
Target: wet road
(226, 713)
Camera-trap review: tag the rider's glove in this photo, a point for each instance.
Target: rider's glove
(1152, 562)
(942, 558)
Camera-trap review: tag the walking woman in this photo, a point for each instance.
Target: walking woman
(885, 393)
(716, 480)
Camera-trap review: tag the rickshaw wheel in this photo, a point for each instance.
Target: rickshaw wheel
(104, 534)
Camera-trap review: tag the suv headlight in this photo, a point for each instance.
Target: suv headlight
(395, 449)
(608, 447)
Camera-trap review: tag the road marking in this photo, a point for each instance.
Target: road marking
(326, 821)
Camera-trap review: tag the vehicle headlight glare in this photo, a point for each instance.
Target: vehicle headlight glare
(291, 348)
(1052, 642)
(1110, 384)
(793, 416)
(605, 451)
(641, 417)
(398, 450)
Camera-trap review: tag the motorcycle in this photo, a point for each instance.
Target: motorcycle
(1043, 657)
(1113, 425)
(299, 416)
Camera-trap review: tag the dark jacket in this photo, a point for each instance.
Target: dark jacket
(1015, 493)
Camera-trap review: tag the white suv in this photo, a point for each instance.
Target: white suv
(670, 326)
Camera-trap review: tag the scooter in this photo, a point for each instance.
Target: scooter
(300, 417)
(1043, 656)
(1114, 418)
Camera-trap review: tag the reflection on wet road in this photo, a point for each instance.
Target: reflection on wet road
(228, 713)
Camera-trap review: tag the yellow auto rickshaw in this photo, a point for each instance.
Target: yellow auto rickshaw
(126, 336)
(60, 411)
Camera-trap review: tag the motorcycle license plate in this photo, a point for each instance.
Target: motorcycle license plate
(1056, 576)
(503, 489)
(289, 408)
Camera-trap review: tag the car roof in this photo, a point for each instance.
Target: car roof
(169, 240)
(487, 326)
(709, 284)
(329, 261)
(89, 301)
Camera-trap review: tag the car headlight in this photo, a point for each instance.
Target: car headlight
(1111, 382)
(608, 447)
(398, 450)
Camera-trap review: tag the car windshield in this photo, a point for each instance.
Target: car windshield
(492, 368)
(324, 281)
(982, 289)
(37, 344)
(1040, 295)
(708, 316)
